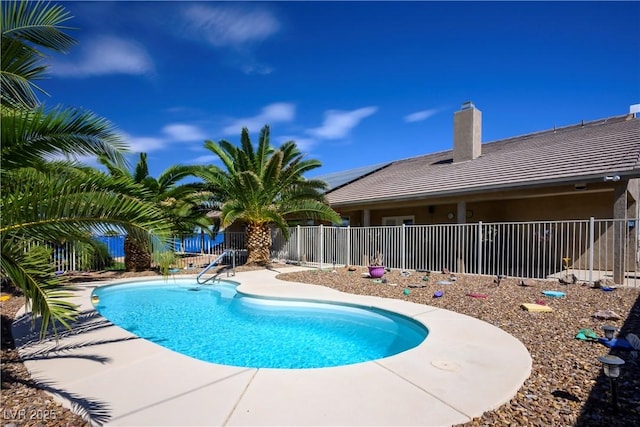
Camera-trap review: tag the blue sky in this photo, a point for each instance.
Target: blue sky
(353, 83)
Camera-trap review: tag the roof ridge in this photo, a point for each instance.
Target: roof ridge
(555, 129)
(582, 124)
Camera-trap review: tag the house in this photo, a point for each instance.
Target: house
(590, 169)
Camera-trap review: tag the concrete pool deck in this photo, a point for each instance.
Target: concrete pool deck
(463, 368)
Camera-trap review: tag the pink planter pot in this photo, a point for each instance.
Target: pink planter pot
(376, 271)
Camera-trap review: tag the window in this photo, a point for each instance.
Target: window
(398, 220)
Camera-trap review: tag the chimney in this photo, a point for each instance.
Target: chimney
(467, 133)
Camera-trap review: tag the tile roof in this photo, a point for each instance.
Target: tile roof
(577, 153)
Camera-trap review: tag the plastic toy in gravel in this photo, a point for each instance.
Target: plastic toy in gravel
(377, 281)
(5, 297)
(536, 307)
(406, 291)
(586, 335)
(615, 343)
(606, 315)
(405, 273)
(608, 288)
(438, 294)
(444, 282)
(425, 278)
(553, 294)
(477, 295)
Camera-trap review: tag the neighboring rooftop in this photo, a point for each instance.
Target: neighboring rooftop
(585, 152)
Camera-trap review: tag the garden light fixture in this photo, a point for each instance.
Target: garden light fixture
(611, 367)
(609, 331)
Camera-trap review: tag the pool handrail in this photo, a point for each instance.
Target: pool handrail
(215, 262)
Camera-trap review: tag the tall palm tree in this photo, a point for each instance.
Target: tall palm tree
(183, 205)
(262, 186)
(52, 201)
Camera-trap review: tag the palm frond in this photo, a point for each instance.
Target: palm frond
(37, 22)
(264, 148)
(20, 67)
(30, 135)
(30, 271)
(26, 28)
(142, 169)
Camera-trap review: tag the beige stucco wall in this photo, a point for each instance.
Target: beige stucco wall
(560, 207)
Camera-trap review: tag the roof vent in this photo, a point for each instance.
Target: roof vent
(634, 109)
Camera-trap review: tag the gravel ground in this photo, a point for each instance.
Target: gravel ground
(25, 403)
(566, 387)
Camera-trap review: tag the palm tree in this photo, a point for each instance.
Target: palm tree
(182, 204)
(46, 201)
(57, 203)
(263, 186)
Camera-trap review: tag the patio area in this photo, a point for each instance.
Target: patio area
(115, 378)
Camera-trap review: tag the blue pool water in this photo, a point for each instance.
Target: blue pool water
(215, 324)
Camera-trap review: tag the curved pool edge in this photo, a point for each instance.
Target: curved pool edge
(443, 381)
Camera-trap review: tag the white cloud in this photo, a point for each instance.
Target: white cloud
(106, 55)
(183, 133)
(257, 69)
(145, 144)
(174, 132)
(272, 113)
(419, 116)
(337, 124)
(206, 159)
(230, 26)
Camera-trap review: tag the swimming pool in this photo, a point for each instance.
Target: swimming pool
(217, 324)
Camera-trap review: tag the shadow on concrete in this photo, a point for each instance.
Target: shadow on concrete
(89, 409)
(27, 340)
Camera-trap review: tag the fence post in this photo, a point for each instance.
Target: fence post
(321, 230)
(479, 267)
(591, 244)
(298, 242)
(402, 243)
(348, 245)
